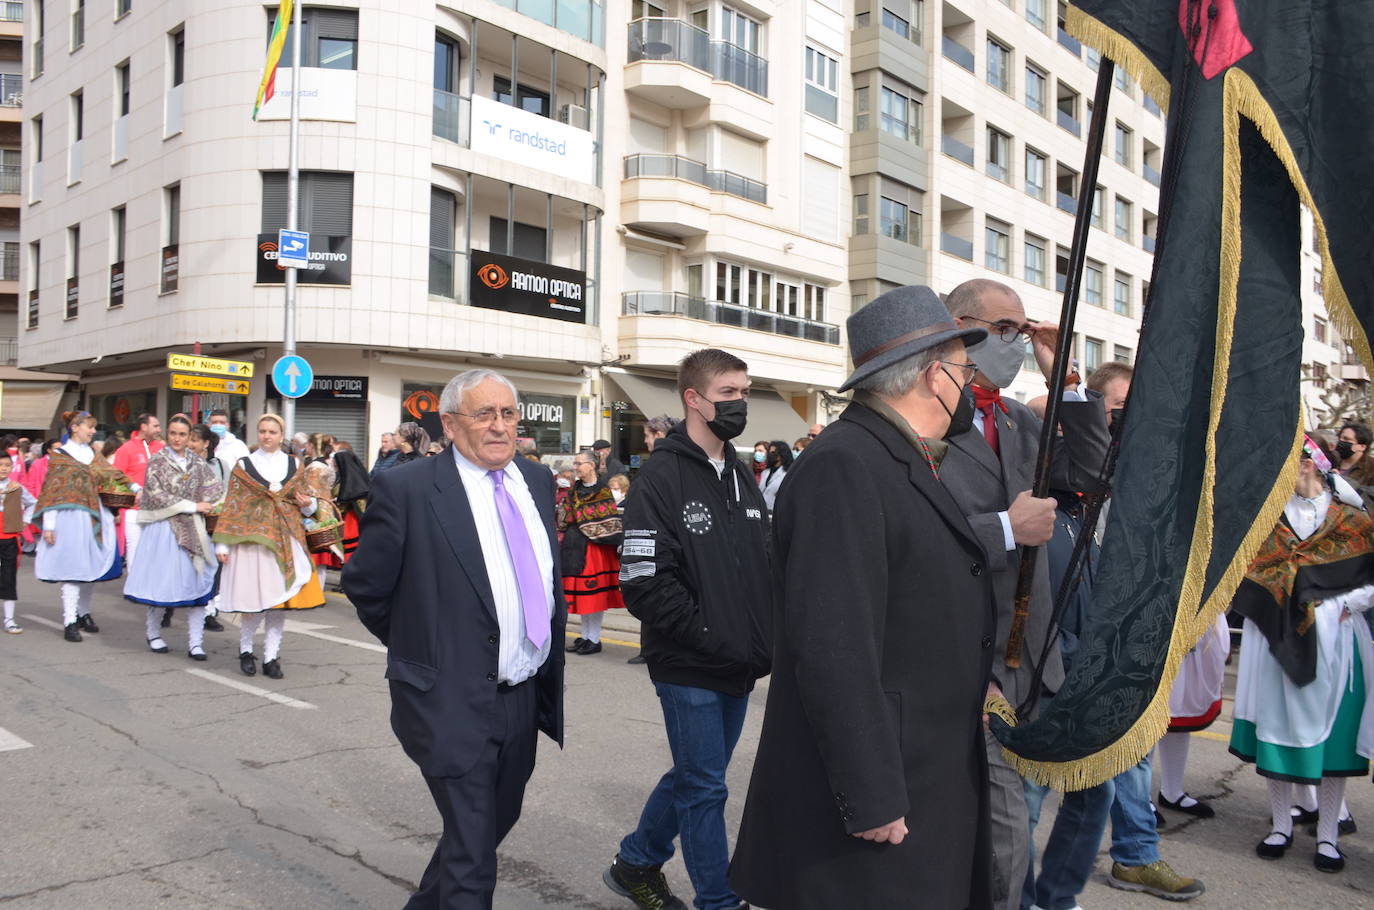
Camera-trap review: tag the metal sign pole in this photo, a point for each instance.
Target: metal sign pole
(293, 180)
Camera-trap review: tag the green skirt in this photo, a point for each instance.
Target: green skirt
(1336, 757)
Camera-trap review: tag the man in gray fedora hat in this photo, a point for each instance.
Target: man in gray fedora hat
(869, 787)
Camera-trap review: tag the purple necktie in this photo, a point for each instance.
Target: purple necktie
(534, 599)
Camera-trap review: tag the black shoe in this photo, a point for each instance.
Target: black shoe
(272, 669)
(213, 625)
(1327, 863)
(1198, 809)
(588, 647)
(637, 659)
(1159, 819)
(645, 885)
(1274, 851)
(1346, 827)
(87, 624)
(1303, 816)
(166, 617)
(72, 632)
(194, 656)
(576, 643)
(155, 648)
(247, 664)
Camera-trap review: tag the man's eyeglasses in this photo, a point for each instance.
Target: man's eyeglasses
(487, 416)
(971, 367)
(1007, 331)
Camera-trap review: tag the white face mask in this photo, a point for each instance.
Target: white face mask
(617, 495)
(564, 482)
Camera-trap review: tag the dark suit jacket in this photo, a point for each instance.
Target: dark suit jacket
(984, 486)
(419, 583)
(882, 650)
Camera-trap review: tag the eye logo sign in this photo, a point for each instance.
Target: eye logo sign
(420, 403)
(696, 517)
(493, 276)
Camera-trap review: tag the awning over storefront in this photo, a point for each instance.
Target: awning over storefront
(770, 417)
(27, 405)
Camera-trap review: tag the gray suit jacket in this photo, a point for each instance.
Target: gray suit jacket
(984, 487)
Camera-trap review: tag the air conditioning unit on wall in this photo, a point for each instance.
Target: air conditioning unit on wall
(574, 115)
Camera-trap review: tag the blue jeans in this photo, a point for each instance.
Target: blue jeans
(689, 801)
(1071, 852)
(1135, 839)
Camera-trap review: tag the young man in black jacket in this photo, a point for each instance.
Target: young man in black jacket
(695, 571)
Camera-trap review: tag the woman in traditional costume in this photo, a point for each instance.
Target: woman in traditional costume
(260, 540)
(1194, 703)
(179, 490)
(592, 530)
(1306, 659)
(79, 547)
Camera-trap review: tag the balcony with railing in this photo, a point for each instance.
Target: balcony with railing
(451, 117)
(678, 41)
(9, 262)
(1066, 203)
(955, 51)
(683, 168)
(12, 11)
(9, 351)
(11, 90)
(957, 150)
(676, 303)
(1069, 122)
(956, 246)
(1152, 106)
(1151, 174)
(11, 176)
(585, 19)
(1147, 243)
(1070, 43)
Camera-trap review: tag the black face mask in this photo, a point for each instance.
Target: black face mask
(1114, 418)
(730, 419)
(961, 421)
(1345, 450)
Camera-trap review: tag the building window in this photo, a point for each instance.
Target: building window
(1035, 13)
(171, 240)
(443, 257)
(1036, 166)
(1092, 353)
(813, 302)
(1123, 219)
(1097, 213)
(122, 89)
(999, 155)
(999, 66)
(822, 85)
(35, 258)
(1034, 271)
(729, 283)
(860, 214)
(1124, 135)
(178, 57)
(739, 30)
(1092, 283)
(1319, 373)
(898, 221)
(1121, 294)
(900, 116)
(1123, 80)
(36, 49)
(862, 120)
(1094, 59)
(997, 254)
(1319, 329)
(530, 99)
(73, 270)
(1121, 354)
(329, 38)
(78, 25)
(1037, 98)
(78, 113)
(531, 240)
(123, 8)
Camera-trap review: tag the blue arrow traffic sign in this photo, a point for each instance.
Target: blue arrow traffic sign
(292, 375)
(293, 249)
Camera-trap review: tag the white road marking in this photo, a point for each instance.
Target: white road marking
(251, 690)
(10, 743)
(43, 622)
(311, 630)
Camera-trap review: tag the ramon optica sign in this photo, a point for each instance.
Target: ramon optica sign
(528, 287)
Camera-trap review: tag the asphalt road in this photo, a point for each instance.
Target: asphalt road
(127, 781)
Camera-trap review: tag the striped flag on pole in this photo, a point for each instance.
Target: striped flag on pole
(275, 45)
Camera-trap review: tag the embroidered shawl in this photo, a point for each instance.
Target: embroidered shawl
(166, 487)
(254, 514)
(1290, 576)
(594, 511)
(69, 484)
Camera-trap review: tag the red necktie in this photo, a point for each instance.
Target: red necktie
(988, 401)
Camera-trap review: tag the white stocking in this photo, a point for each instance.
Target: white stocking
(271, 643)
(9, 611)
(248, 627)
(154, 626)
(321, 573)
(195, 628)
(1172, 754)
(71, 597)
(84, 592)
(1306, 797)
(1331, 795)
(1280, 801)
(591, 626)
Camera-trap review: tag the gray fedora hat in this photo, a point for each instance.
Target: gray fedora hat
(900, 324)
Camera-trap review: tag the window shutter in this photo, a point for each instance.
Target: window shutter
(273, 201)
(327, 206)
(820, 199)
(441, 209)
(334, 23)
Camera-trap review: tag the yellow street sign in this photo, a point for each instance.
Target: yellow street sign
(240, 369)
(185, 383)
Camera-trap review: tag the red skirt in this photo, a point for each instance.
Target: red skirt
(597, 587)
(350, 543)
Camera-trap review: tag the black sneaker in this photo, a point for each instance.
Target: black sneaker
(72, 632)
(588, 647)
(87, 624)
(645, 885)
(213, 625)
(576, 643)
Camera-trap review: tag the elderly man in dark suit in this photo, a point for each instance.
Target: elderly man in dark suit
(989, 471)
(869, 787)
(455, 573)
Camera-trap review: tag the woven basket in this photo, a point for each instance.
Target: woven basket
(113, 500)
(321, 539)
(211, 519)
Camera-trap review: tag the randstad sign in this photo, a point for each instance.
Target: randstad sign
(530, 140)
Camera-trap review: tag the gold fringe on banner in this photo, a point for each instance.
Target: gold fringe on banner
(1122, 51)
(1193, 618)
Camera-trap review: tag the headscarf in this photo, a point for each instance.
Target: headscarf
(353, 485)
(415, 437)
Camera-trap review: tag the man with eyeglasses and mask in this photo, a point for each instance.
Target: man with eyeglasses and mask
(870, 784)
(989, 470)
(695, 572)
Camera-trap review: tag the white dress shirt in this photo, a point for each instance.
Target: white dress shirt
(518, 659)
